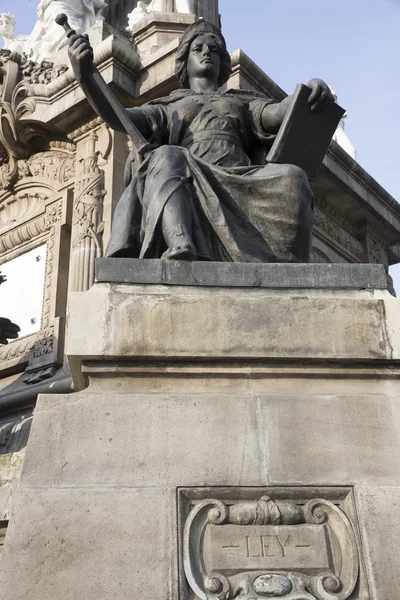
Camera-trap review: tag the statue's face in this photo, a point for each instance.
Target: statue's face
(7, 27)
(204, 58)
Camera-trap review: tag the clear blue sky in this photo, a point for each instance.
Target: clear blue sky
(354, 45)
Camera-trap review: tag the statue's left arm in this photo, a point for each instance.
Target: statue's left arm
(320, 97)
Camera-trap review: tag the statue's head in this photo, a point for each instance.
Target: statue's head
(7, 25)
(199, 34)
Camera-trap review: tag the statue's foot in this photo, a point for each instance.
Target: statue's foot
(184, 252)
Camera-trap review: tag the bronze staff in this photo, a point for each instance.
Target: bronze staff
(141, 145)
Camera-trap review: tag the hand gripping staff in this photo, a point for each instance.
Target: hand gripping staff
(140, 143)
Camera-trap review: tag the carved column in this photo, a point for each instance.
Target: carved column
(87, 233)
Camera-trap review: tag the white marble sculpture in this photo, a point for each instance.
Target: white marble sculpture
(48, 38)
(341, 137)
(7, 32)
(145, 7)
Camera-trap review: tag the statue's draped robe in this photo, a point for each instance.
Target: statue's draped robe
(241, 211)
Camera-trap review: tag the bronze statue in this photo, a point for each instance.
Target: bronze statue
(197, 195)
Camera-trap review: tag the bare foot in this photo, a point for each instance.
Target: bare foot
(184, 252)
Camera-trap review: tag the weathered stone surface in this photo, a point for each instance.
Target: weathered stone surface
(274, 275)
(230, 323)
(134, 441)
(304, 432)
(379, 520)
(272, 585)
(86, 543)
(214, 439)
(198, 388)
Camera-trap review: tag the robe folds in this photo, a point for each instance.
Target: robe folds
(242, 211)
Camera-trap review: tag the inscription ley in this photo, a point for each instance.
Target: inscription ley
(239, 548)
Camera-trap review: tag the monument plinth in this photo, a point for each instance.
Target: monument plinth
(236, 435)
(234, 428)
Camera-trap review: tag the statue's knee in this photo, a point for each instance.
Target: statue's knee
(296, 173)
(168, 155)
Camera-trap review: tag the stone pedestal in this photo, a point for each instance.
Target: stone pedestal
(236, 434)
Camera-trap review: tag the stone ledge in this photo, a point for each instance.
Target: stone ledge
(186, 323)
(255, 275)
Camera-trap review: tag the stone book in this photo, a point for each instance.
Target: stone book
(304, 135)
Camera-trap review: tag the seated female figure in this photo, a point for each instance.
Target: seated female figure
(197, 194)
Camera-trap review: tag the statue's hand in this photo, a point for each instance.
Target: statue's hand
(321, 96)
(80, 54)
(8, 330)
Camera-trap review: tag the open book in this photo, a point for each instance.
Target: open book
(304, 135)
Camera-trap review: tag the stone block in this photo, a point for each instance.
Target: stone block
(196, 322)
(379, 509)
(145, 441)
(260, 392)
(254, 275)
(86, 543)
(334, 439)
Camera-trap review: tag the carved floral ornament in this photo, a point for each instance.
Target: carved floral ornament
(267, 549)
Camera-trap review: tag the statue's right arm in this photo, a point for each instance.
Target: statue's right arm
(80, 54)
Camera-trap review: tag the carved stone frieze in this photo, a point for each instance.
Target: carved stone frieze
(42, 363)
(32, 72)
(18, 349)
(44, 72)
(44, 344)
(337, 233)
(56, 166)
(270, 548)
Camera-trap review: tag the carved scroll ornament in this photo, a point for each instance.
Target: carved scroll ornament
(268, 549)
(16, 134)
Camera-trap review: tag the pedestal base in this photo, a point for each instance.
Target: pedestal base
(255, 401)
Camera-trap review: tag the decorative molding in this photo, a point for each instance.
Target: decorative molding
(18, 349)
(270, 548)
(54, 213)
(46, 313)
(20, 207)
(23, 234)
(83, 129)
(31, 230)
(46, 355)
(44, 344)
